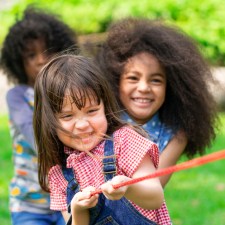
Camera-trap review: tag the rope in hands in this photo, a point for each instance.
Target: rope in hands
(182, 166)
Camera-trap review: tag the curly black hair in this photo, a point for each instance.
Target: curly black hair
(189, 105)
(34, 24)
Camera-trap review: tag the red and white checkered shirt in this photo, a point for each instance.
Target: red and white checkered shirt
(131, 148)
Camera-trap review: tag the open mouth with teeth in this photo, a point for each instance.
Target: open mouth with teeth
(142, 100)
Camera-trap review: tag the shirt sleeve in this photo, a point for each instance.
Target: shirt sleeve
(57, 186)
(132, 149)
(21, 114)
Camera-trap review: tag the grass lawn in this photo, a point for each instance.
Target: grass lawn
(6, 168)
(194, 196)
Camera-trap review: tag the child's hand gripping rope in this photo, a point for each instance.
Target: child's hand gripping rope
(182, 166)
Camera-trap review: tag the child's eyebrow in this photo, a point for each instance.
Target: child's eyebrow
(163, 75)
(65, 111)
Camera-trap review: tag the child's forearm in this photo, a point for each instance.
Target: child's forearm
(147, 196)
(81, 218)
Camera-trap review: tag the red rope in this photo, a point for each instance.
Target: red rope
(182, 166)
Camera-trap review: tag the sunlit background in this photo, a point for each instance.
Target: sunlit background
(196, 196)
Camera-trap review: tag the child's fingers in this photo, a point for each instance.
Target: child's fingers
(110, 192)
(85, 194)
(108, 186)
(83, 199)
(88, 191)
(119, 179)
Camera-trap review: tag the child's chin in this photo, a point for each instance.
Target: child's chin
(86, 147)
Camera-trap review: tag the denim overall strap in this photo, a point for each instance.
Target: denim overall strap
(72, 186)
(109, 171)
(120, 212)
(109, 161)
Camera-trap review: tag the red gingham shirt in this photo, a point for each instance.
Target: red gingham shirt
(131, 148)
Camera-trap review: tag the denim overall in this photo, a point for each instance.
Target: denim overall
(107, 212)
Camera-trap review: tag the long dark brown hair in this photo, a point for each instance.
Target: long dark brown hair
(80, 76)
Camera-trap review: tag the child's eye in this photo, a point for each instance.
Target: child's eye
(92, 110)
(131, 77)
(157, 81)
(30, 55)
(65, 116)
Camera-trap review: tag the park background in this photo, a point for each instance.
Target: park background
(195, 196)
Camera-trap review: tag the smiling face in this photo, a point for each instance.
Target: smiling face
(142, 87)
(88, 124)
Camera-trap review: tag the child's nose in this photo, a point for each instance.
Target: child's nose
(143, 86)
(81, 123)
(42, 59)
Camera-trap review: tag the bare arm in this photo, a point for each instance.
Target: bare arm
(66, 215)
(81, 218)
(171, 155)
(148, 194)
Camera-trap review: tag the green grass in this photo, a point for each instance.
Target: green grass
(194, 196)
(6, 168)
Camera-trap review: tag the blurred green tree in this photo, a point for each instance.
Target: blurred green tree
(201, 20)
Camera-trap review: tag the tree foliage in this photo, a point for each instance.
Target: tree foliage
(201, 20)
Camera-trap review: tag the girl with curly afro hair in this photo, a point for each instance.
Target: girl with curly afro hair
(161, 81)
